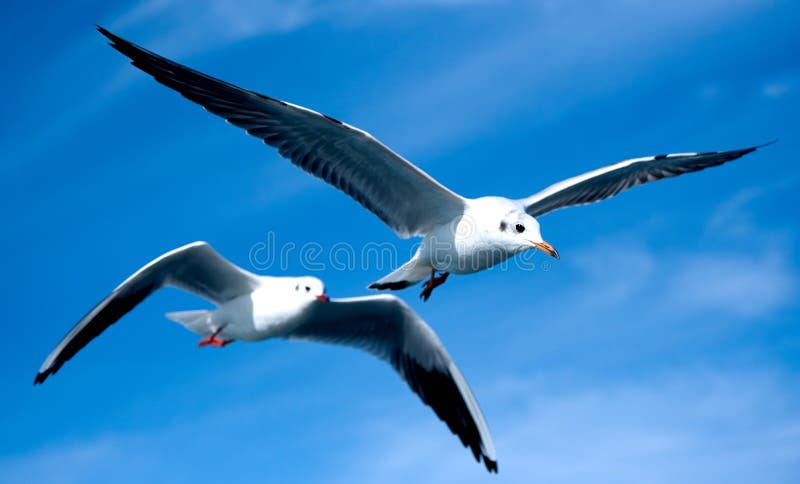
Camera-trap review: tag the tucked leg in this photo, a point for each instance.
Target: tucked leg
(432, 283)
(213, 341)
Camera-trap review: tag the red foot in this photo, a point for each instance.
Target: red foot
(432, 283)
(212, 340)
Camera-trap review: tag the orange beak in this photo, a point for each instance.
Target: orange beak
(547, 249)
(323, 298)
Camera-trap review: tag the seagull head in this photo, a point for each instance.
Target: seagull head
(522, 232)
(311, 287)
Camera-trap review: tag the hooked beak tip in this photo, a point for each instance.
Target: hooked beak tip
(323, 297)
(547, 249)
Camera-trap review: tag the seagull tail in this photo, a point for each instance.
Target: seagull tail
(407, 275)
(198, 322)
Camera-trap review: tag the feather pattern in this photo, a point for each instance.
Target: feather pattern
(196, 268)
(404, 197)
(608, 181)
(386, 327)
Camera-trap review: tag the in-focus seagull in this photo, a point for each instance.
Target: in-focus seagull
(253, 308)
(460, 235)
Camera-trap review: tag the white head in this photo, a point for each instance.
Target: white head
(519, 232)
(310, 287)
(505, 225)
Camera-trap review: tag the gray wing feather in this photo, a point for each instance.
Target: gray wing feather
(389, 329)
(400, 194)
(196, 268)
(608, 181)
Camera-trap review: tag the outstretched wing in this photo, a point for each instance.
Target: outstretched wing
(610, 180)
(196, 268)
(407, 199)
(389, 329)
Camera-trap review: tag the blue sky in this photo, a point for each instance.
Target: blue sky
(663, 347)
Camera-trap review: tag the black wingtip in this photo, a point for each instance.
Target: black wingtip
(746, 151)
(491, 465)
(734, 154)
(116, 41)
(41, 377)
(106, 33)
(771, 142)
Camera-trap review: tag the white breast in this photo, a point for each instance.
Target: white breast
(264, 313)
(468, 244)
(277, 309)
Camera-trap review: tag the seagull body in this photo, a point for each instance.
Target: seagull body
(460, 235)
(254, 308)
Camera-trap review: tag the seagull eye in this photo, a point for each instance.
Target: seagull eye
(520, 228)
(503, 226)
(297, 287)
(308, 288)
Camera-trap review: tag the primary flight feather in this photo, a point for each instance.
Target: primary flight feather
(460, 235)
(254, 308)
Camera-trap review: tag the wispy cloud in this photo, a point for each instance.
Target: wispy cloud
(752, 277)
(734, 218)
(746, 284)
(738, 217)
(751, 282)
(530, 56)
(196, 26)
(199, 25)
(743, 283)
(62, 464)
(630, 289)
(736, 427)
(776, 90)
(532, 66)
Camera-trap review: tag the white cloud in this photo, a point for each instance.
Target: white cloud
(688, 426)
(752, 277)
(198, 25)
(62, 464)
(776, 89)
(751, 282)
(614, 270)
(534, 66)
(734, 218)
(548, 426)
(747, 284)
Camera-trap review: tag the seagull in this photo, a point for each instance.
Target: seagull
(254, 308)
(460, 235)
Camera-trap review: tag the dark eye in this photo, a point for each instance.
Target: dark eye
(503, 226)
(520, 228)
(308, 288)
(297, 287)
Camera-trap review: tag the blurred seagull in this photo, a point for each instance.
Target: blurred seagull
(460, 235)
(254, 308)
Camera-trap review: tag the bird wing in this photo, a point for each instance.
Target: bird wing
(610, 180)
(407, 199)
(196, 268)
(389, 329)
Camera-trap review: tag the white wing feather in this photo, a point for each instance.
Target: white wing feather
(196, 268)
